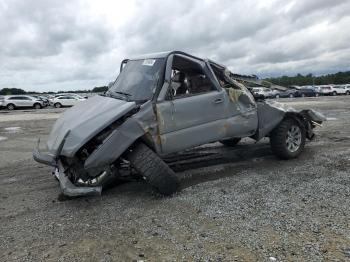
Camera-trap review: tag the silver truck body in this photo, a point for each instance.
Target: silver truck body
(95, 134)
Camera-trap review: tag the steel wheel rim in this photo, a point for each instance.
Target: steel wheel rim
(293, 138)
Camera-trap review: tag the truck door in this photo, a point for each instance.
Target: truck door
(195, 113)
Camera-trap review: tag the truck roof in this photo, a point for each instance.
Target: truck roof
(162, 55)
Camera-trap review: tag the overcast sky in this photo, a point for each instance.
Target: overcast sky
(65, 45)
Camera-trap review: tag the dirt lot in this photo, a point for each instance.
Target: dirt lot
(237, 204)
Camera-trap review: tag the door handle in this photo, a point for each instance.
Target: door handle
(218, 101)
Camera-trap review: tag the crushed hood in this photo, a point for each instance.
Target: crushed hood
(82, 122)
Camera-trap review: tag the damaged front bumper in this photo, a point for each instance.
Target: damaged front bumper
(67, 187)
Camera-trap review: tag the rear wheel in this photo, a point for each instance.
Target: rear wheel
(37, 106)
(277, 96)
(155, 171)
(288, 139)
(231, 142)
(57, 105)
(334, 93)
(291, 95)
(10, 106)
(347, 92)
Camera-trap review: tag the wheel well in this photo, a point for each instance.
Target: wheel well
(304, 122)
(149, 141)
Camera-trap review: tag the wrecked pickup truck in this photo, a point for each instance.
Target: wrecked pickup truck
(161, 104)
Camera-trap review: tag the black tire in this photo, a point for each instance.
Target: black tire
(334, 93)
(291, 95)
(231, 142)
(10, 106)
(155, 171)
(347, 92)
(279, 139)
(57, 105)
(302, 95)
(277, 96)
(37, 106)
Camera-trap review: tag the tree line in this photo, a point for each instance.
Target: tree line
(309, 79)
(18, 91)
(299, 80)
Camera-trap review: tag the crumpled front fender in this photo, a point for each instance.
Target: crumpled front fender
(271, 113)
(45, 159)
(115, 145)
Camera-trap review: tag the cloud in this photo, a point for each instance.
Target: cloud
(55, 45)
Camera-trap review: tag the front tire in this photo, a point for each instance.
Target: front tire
(37, 106)
(155, 171)
(230, 142)
(10, 106)
(334, 93)
(288, 139)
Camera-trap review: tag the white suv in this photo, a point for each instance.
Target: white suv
(340, 89)
(66, 100)
(328, 90)
(16, 101)
(266, 92)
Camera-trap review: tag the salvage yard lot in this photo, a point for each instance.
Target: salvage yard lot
(240, 202)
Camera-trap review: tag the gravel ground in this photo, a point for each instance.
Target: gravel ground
(237, 204)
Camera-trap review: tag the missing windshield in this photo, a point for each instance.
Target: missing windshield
(139, 79)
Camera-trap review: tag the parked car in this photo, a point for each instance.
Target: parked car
(69, 94)
(347, 88)
(328, 90)
(287, 93)
(341, 90)
(265, 92)
(66, 100)
(129, 130)
(16, 101)
(309, 92)
(45, 100)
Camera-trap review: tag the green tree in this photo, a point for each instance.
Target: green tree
(310, 79)
(100, 89)
(12, 91)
